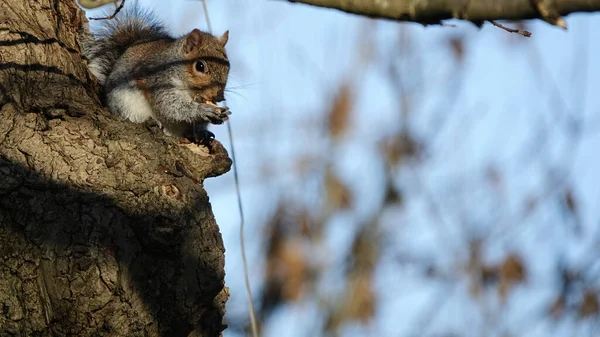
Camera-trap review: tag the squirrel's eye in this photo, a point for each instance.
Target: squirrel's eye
(200, 66)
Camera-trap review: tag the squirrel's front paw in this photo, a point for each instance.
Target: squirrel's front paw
(214, 114)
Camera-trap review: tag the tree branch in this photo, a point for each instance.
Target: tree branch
(433, 11)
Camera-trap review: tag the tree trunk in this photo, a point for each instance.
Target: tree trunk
(105, 228)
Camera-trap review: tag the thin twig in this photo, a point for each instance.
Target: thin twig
(206, 16)
(240, 208)
(242, 246)
(511, 30)
(117, 10)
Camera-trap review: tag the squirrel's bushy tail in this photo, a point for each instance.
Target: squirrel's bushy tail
(116, 35)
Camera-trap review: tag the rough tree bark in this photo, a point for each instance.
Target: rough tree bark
(104, 230)
(433, 11)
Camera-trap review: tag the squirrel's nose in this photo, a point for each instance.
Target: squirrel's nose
(220, 97)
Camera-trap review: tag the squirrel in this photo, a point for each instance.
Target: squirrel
(145, 73)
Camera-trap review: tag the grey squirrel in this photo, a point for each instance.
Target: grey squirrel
(145, 73)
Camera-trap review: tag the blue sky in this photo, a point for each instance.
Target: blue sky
(287, 63)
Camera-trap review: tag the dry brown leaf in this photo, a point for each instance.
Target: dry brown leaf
(513, 269)
(339, 114)
(365, 252)
(589, 306)
(358, 304)
(457, 46)
(557, 308)
(512, 272)
(287, 267)
(294, 268)
(338, 194)
(361, 299)
(398, 147)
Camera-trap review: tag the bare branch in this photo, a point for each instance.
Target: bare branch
(434, 11)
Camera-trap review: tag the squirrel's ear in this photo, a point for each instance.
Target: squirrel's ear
(192, 41)
(223, 39)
